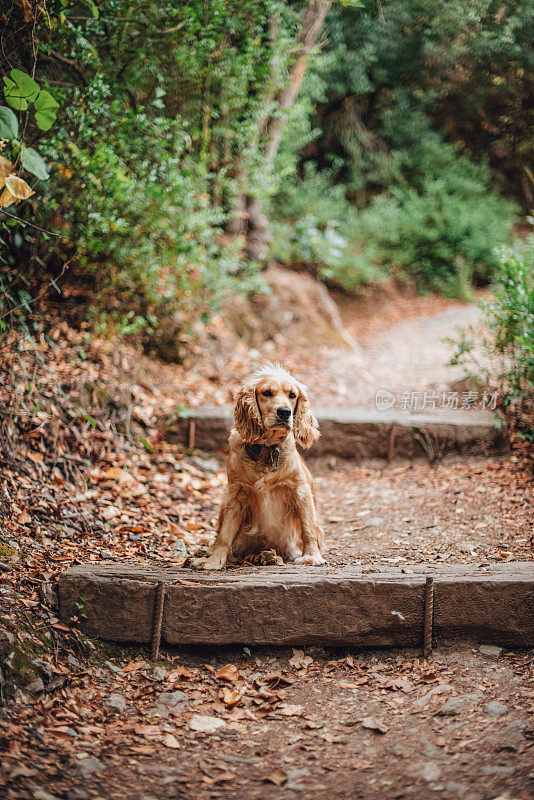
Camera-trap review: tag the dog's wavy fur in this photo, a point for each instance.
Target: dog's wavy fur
(267, 507)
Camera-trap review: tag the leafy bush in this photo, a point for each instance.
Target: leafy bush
(438, 225)
(510, 318)
(138, 207)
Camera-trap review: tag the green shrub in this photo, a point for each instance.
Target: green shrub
(139, 208)
(510, 319)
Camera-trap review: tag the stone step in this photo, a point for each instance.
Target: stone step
(364, 433)
(297, 605)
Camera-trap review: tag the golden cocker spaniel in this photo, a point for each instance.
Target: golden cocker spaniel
(269, 502)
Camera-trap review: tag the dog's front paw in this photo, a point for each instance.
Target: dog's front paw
(215, 561)
(313, 559)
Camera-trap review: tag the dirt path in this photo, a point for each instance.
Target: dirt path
(409, 355)
(416, 513)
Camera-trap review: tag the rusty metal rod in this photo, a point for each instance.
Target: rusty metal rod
(157, 620)
(192, 430)
(429, 617)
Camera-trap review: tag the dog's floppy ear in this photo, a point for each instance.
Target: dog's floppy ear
(306, 427)
(247, 417)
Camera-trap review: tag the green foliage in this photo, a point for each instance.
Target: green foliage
(141, 217)
(510, 344)
(21, 89)
(511, 318)
(314, 224)
(427, 209)
(440, 224)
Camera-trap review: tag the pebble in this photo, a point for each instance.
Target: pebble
(180, 550)
(117, 702)
(87, 767)
(423, 701)
(6, 637)
(456, 705)
(427, 770)
(498, 770)
(171, 703)
(172, 699)
(452, 786)
(114, 668)
(206, 464)
(495, 709)
(159, 673)
(490, 650)
(43, 666)
(374, 522)
(35, 686)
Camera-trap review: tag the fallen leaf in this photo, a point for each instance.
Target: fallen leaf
(277, 776)
(228, 673)
(171, 741)
(133, 666)
(353, 684)
(230, 696)
(299, 660)
(288, 710)
(373, 724)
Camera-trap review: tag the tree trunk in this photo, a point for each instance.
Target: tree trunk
(258, 232)
(312, 22)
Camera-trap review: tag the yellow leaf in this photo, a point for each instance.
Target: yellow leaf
(6, 198)
(18, 187)
(228, 673)
(5, 168)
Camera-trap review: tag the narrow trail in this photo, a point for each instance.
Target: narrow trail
(411, 355)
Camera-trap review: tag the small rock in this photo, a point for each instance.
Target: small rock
(511, 737)
(498, 770)
(180, 550)
(6, 637)
(113, 668)
(374, 522)
(40, 794)
(110, 513)
(456, 705)
(87, 767)
(490, 650)
(204, 724)
(374, 725)
(427, 770)
(116, 702)
(73, 662)
(48, 595)
(171, 703)
(43, 666)
(495, 709)
(420, 702)
(159, 673)
(206, 464)
(452, 786)
(36, 686)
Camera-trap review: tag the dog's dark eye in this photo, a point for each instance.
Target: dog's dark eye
(292, 395)
(267, 393)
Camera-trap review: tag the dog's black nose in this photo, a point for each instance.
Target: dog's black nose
(283, 413)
